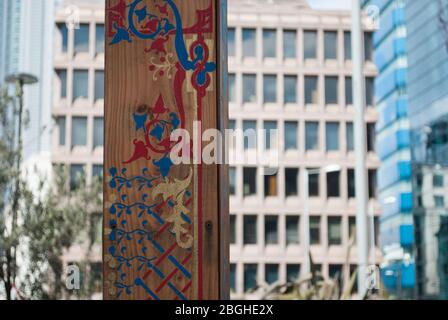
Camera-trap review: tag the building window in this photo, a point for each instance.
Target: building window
(313, 183)
(61, 128)
(270, 185)
(62, 76)
(232, 136)
(99, 45)
(292, 272)
(353, 269)
(79, 131)
(348, 91)
(331, 90)
(351, 183)
(250, 181)
(333, 185)
(347, 45)
(250, 134)
(62, 27)
(249, 88)
(291, 129)
(270, 130)
(331, 45)
(77, 172)
(292, 230)
(250, 229)
(250, 276)
(232, 88)
(371, 137)
(368, 46)
(311, 92)
(290, 87)
(232, 277)
(349, 136)
(311, 136)
(232, 229)
(439, 202)
(370, 91)
(332, 136)
(438, 181)
(231, 42)
(291, 178)
(97, 172)
(270, 88)
(310, 44)
(82, 38)
(80, 84)
(249, 42)
(270, 230)
(335, 273)
(269, 43)
(289, 44)
(271, 273)
(99, 85)
(352, 228)
(98, 132)
(314, 230)
(372, 183)
(232, 181)
(334, 231)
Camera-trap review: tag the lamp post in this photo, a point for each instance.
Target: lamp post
(306, 213)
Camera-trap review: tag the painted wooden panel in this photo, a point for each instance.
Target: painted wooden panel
(161, 221)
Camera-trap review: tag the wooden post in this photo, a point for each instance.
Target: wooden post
(165, 224)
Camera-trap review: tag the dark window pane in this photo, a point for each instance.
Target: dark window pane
(368, 46)
(249, 42)
(232, 88)
(333, 185)
(271, 230)
(351, 183)
(80, 84)
(62, 75)
(271, 273)
(352, 228)
(232, 181)
(269, 88)
(292, 230)
(99, 46)
(370, 91)
(334, 231)
(99, 85)
(291, 129)
(372, 184)
(311, 136)
(332, 136)
(98, 132)
(270, 185)
(371, 137)
(250, 229)
(335, 272)
(291, 176)
(292, 272)
(249, 88)
(314, 230)
(82, 38)
(250, 181)
(310, 44)
(270, 130)
(231, 42)
(232, 229)
(289, 43)
(349, 137)
(290, 87)
(77, 172)
(348, 91)
(331, 90)
(62, 27)
(313, 184)
(347, 45)
(438, 180)
(250, 134)
(97, 171)
(61, 128)
(331, 41)
(250, 276)
(311, 93)
(269, 43)
(233, 277)
(79, 131)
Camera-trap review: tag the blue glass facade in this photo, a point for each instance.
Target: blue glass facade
(427, 26)
(393, 146)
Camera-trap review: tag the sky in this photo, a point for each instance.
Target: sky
(330, 4)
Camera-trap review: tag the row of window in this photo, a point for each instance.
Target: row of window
(81, 84)
(312, 135)
(78, 171)
(289, 44)
(82, 38)
(271, 274)
(292, 227)
(291, 183)
(290, 88)
(79, 131)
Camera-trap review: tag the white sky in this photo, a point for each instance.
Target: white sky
(330, 4)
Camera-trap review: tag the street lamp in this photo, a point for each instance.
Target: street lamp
(306, 214)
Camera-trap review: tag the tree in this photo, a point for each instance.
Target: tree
(44, 223)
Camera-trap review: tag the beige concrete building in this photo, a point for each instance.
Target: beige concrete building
(289, 69)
